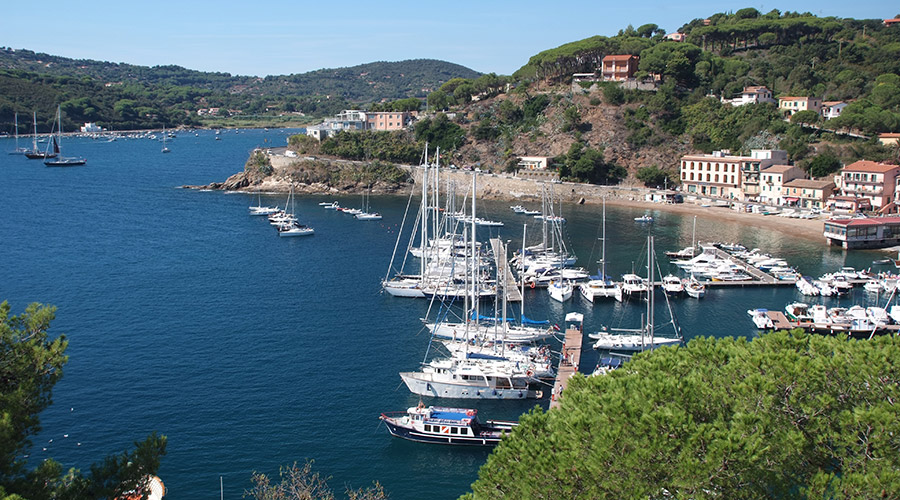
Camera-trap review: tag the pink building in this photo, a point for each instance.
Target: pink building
(873, 181)
(619, 67)
(387, 120)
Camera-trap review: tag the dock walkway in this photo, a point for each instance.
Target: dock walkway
(569, 359)
(513, 294)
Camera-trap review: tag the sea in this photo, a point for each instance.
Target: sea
(188, 317)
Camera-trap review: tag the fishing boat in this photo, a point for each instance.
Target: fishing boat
(61, 161)
(437, 424)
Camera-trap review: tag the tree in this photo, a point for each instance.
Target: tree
(440, 131)
(823, 164)
(30, 365)
(439, 99)
(786, 415)
(805, 117)
(653, 176)
(301, 483)
(571, 119)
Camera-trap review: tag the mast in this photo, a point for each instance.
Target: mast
(424, 238)
(474, 262)
(650, 288)
(34, 136)
(694, 239)
(603, 246)
(522, 274)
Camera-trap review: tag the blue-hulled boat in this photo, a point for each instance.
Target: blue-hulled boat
(436, 424)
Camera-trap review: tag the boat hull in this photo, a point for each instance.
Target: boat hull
(437, 389)
(421, 437)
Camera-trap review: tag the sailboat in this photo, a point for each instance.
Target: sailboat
(292, 228)
(36, 153)
(62, 161)
(366, 215)
(18, 150)
(165, 137)
(601, 286)
(643, 338)
(261, 210)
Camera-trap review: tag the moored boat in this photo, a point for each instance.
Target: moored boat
(437, 424)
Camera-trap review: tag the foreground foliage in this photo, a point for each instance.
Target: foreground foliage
(301, 483)
(786, 415)
(30, 365)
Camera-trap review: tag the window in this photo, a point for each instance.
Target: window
(427, 428)
(454, 430)
(717, 178)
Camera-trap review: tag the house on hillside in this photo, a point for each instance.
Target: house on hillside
(889, 138)
(832, 109)
(790, 105)
(676, 37)
(892, 22)
(756, 94)
(617, 68)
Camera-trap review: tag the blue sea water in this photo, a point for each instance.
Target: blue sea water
(188, 317)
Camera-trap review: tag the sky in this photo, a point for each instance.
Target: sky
(279, 37)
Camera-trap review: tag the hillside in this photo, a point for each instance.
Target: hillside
(125, 96)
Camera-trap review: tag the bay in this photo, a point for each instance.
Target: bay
(188, 317)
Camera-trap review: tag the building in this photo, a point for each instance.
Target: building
(889, 138)
(791, 105)
(892, 22)
(751, 95)
(868, 232)
(676, 37)
(875, 182)
(618, 68)
(91, 128)
(832, 109)
(534, 162)
(772, 180)
(723, 175)
(807, 193)
(387, 120)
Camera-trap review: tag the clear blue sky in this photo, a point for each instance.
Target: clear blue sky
(277, 37)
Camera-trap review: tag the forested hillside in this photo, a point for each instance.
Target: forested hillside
(124, 96)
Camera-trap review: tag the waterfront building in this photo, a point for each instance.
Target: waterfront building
(618, 68)
(807, 193)
(874, 182)
(91, 128)
(791, 105)
(756, 94)
(866, 232)
(772, 181)
(724, 175)
(352, 120)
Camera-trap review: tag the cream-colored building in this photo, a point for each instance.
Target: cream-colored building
(791, 105)
(724, 175)
(534, 162)
(756, 94)
(807, 193)
(772, 179)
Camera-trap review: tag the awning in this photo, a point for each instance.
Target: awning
(791, 199)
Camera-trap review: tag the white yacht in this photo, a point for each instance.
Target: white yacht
(560, 290)
(453, 378)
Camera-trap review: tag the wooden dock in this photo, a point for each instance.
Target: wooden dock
(780, 321)
(569, 358)
(513, 294)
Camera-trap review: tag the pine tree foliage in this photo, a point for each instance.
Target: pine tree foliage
(788, 414)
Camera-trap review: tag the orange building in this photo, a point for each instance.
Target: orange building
(619, 67)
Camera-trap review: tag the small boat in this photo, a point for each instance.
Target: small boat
(259, 209)
(694, 288)
(798, 311)
(560, 290)
(625, 342)
(882, 262)
(873, 286)
(436, 424)
(672, 285)
(519, 209)
(644, 218)
(761, 319)
(368, 216)
(294, 229)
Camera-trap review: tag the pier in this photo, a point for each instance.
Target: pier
(569, 356)
(513, 294)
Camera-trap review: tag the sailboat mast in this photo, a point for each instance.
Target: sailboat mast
(424, 243)
(694, 238)
(522, 274)
(603, 245)
(474, 262)
(650, 283)
(34, 136)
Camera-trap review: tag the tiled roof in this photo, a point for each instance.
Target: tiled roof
(776, 169)
(808, 184)
(624, 57)
(870, 166)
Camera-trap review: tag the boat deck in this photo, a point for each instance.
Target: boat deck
(569, 359)
(513, 294)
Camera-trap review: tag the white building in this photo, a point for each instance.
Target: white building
(751, 95)
(91, 128)
(772, 181)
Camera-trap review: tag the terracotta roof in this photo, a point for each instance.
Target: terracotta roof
(624, 57)
(889, 135)
(777, 169)
(870, 166)
(809, 184)
(754, 89)
(832, 103)
(868, 221)
(789, 98)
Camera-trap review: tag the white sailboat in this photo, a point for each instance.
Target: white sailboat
(165, 138)
(601, 286)
(643, 338)
(560, 290)
(365, 214)
(259, 209)
(292, 228)
(18, 150)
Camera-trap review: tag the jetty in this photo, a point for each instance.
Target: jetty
(513, 294)
(569, 356)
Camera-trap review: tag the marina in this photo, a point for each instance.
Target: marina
(252, 309)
